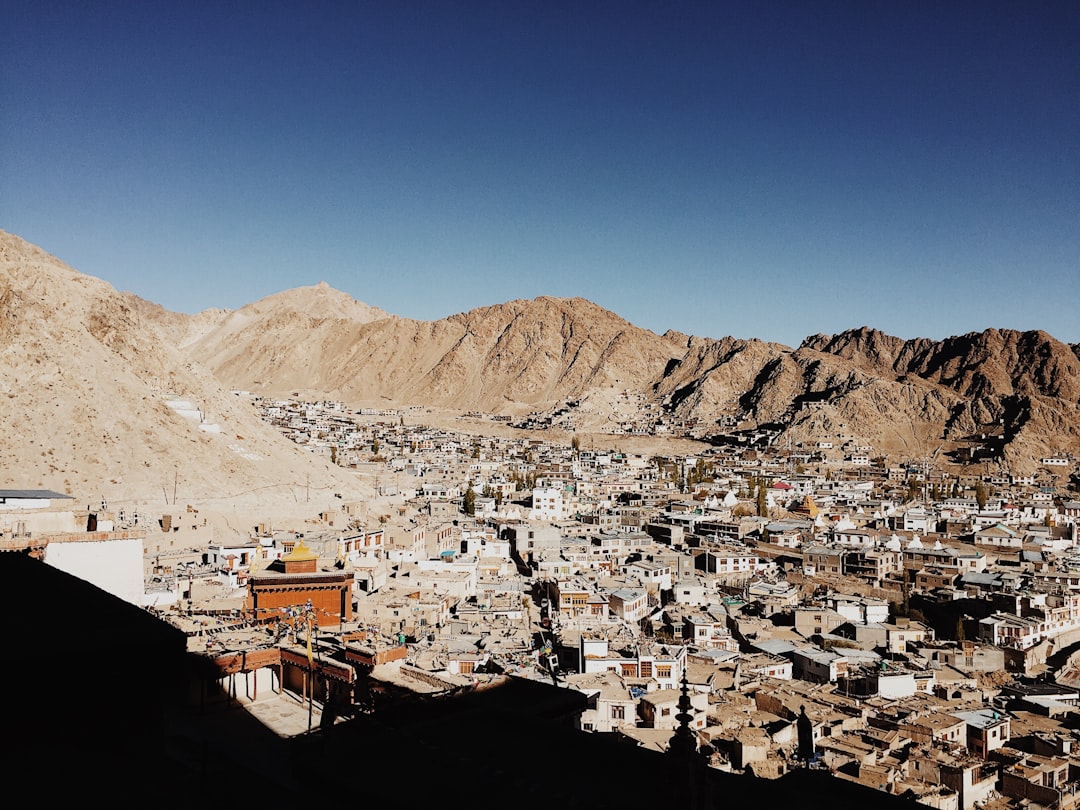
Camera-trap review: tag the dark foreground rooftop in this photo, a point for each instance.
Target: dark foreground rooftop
(100, 701)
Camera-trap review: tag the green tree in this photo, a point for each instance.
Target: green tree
(762, 499)
(575, 443)
(980, 494)
(375, 446)
(468, 502)
(701, 472)
(912, 490)
(698, 473)
(333, 454)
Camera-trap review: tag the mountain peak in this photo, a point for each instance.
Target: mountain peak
(316, 301)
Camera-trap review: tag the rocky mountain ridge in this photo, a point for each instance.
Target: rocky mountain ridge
(906, 398)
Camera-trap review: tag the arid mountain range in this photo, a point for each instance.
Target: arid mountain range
(88, 373)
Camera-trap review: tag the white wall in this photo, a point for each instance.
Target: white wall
(895, 685)
(27, 503)
(115, 566)
(43, 522)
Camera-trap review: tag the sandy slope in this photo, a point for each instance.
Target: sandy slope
(86, 380)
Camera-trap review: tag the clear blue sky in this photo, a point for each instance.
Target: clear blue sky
(753, 169)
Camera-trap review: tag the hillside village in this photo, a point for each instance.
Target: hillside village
(901, 625)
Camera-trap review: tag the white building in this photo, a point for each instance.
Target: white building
(547, 504)
(113, 561)
(860, 609)
(29, 498)
(630, 604)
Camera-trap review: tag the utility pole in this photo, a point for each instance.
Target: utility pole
(311, 672)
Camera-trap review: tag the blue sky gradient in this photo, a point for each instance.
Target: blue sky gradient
(766, 170)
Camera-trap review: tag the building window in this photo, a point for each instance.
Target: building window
(465, 667)
(646, 669)
(618, 712)
(663, 671)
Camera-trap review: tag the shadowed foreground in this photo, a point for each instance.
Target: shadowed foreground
(97, 704)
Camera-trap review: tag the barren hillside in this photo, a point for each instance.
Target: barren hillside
(87, 377)
(90, 370)
(514, 356)
(906, 398)
(1026, 382)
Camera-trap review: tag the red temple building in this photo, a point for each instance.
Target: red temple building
(296, 578)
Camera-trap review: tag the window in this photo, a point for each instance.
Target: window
(646, 669)
(663, 671)
(618, 712)
(466, 667)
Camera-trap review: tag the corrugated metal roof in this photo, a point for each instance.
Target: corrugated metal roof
(32, 494)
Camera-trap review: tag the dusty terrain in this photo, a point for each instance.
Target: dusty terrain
(99, 403)
(108, 396)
